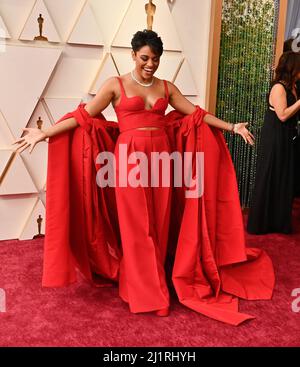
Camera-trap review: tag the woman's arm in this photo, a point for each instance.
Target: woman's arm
(94, 107)
(279, 102)
(180, 103)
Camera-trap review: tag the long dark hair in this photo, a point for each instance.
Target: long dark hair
(288, 68)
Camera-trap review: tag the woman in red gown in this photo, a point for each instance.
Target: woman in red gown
(148, 237)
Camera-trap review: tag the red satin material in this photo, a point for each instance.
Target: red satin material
(132, 114)
(143, 214)
(210, 264)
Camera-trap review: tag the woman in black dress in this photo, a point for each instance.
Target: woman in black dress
(274, 190)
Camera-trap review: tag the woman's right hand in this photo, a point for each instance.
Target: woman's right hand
(33, 136)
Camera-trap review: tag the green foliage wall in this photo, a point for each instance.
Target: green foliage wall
(246, 62)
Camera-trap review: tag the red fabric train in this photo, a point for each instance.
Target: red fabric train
(207, 260)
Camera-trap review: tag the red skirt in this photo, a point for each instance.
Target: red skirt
(144, 215)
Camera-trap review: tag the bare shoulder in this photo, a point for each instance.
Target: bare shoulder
(170, 84)
(278, 89)
(111, 82)
(125, 77)
(110, 86)
(172, 88)
(277, 94)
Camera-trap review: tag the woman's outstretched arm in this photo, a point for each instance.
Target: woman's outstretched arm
(94, 107)
(183, 105)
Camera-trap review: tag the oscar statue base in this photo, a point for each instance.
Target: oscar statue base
(40, 38)
(38, 236)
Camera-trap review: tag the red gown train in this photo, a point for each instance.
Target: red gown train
(149, 239)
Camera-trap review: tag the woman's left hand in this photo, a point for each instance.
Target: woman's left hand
(241, 129)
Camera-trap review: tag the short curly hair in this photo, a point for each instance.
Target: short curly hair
(147, 38)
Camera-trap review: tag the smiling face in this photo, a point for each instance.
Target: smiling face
(146, 63)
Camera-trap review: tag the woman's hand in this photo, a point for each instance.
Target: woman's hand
(241, 129)
(33, 136)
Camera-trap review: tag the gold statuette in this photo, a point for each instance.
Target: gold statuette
(40, 20)
(39, 123)
(39, 222)
(150, 11)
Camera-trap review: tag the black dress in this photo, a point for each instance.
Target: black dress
(297, 151)
(274, 189)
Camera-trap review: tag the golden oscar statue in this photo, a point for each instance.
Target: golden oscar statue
(39, 222)
(39, 123)
(150, 11)
(40, 20)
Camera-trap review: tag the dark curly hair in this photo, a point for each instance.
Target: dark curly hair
(288, 68)
(147, 38)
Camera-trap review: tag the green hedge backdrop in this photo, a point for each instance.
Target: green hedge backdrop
(247, 53)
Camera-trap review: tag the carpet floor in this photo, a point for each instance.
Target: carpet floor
(82, 315)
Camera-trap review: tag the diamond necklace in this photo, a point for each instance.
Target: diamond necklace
(140, 83)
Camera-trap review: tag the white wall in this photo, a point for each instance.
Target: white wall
(192, 22)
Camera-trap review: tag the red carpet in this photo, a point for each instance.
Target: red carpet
(82, 315)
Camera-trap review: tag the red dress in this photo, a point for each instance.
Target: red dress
(150, 238)
(143, 212)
